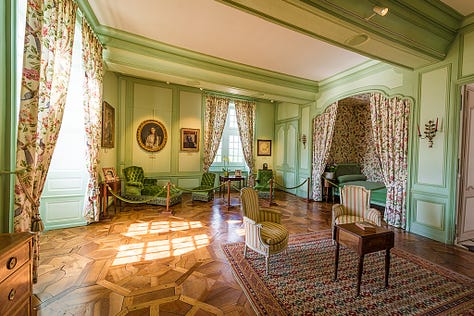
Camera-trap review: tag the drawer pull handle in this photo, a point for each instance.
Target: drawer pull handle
(11, 295)
(11, 263)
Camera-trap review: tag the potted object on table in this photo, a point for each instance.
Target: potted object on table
(330, 171)
(226, 166)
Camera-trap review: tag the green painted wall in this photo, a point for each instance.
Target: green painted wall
(176, 107)
(108, 156)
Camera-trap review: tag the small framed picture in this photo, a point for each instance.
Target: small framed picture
(189, 139)
(108, 125)
(238, 173)
(264, 147)
(109, 174)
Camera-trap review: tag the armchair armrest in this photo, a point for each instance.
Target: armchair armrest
(253, 237)
(337, 210)
(268, 215)
(375, 216)
(135, 184)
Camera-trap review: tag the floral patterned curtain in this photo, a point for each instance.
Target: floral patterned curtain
(245, 113)
(92, 59)
(323, 130)
(215, 117)
(390, 129)
(49, 35)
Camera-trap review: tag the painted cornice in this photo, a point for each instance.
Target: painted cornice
(142, 57)
(412, 34)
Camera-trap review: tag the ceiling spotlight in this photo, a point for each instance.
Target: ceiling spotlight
(382, 11)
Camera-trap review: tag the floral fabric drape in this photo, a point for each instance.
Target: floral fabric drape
(92, 59)
(390, 129)
(323, 130)
(245, 114)
(49, 35)
(215, 117)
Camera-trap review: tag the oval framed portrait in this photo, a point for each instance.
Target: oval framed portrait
(151, 135)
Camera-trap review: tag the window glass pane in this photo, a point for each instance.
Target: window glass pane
(232, 117)
(230, 145)
(218, 157)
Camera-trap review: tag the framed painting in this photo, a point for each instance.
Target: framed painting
(152, 135)
(108, 125)
(109, 174)
(264, 147)
(189, 139)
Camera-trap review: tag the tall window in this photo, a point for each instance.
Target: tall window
(230, 146)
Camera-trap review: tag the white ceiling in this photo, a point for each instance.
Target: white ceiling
(212, 28)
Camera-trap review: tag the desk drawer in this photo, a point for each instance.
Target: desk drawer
(15, 289)
(12, 261)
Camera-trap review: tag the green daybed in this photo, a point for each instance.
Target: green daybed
(350, 174)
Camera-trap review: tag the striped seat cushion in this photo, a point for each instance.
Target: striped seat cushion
(344, 219)
(273, 233)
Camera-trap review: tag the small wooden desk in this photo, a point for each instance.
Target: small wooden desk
(116, 186)
(363, 242)
(223, 179)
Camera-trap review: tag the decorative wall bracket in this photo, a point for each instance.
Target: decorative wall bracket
(430, 131)
(303, 139)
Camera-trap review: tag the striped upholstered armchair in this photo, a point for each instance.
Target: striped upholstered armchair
(263, 230)
(355, 207)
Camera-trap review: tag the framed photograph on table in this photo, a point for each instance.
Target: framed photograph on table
(108, 125)
(264, 147)
(238, 173)
(189, 139)
(109, 174)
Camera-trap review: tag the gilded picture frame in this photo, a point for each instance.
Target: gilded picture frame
(264, 147)
(108, 126)
(189, 139)
(152, 135)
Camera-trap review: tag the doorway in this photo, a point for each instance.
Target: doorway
(465, 231)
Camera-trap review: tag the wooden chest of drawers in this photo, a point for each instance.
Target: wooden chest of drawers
(16, 286)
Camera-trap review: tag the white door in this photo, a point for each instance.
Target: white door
(465, 229)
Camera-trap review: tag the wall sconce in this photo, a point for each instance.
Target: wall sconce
(303, 139)
(430, 131)
(382, 11)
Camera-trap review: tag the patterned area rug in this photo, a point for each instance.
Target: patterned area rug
(300, 282)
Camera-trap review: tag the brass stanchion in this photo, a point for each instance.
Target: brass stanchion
(271, 193)
(228, 193)
(308, 199)
(168, 212)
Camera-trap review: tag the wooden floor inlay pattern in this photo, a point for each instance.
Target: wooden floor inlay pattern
(140, 262)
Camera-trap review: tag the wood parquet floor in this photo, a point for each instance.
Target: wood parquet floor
(143, 262)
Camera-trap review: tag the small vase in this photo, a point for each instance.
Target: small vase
(226, 173)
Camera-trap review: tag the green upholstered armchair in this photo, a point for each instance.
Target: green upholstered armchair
(263, 230)
(263, 182)
(137, 188)
(134, 178)
(207, 182)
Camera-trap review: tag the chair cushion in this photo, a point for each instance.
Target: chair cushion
(344, 219)
(273, 233)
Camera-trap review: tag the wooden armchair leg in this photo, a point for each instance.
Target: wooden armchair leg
(245, 251)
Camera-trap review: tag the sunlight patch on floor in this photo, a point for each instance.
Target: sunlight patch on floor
(159, 249)
(161, 227)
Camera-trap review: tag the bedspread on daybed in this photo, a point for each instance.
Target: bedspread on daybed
(350, 174)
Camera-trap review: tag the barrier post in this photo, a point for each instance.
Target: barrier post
(309, 186)
(271, 193)
(168, 212)
(228, 193)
